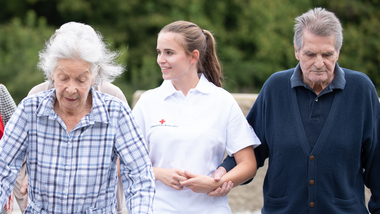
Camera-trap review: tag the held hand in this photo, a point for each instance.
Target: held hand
(170, 177)
(24, 186)
(199, 183)
(225, 188)
(218, 173)
(222, 191)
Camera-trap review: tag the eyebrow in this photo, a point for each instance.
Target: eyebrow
(166, 49)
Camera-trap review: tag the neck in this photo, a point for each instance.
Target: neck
(78, 111)
(186, 83)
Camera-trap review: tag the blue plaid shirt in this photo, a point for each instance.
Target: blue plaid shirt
(76, 172)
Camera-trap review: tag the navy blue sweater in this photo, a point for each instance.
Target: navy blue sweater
(330, 177)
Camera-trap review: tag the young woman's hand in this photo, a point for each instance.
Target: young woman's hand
(225, 188)
(170, 177)
(200, 183)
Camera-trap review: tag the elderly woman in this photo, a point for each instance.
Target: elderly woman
(73, 134)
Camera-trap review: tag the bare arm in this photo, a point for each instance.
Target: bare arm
(245, 169)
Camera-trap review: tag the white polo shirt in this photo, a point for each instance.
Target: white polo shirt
(191, 133)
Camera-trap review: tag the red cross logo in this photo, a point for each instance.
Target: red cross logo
(162, 121)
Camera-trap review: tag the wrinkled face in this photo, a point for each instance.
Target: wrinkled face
(73, 80)
(171, 57)
(317, 59)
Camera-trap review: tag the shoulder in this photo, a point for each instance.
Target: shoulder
(105, 97)
(356, 76)
(278, 81)
(280, 76)
(223, 94)
(150, 95)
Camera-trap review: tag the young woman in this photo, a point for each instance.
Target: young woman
(190, 121)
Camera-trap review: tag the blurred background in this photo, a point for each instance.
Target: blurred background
(254, 37)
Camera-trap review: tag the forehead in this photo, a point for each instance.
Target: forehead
(73, 66)
(169, 40)
(317, 43)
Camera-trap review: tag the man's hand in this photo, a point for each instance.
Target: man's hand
(24, 186)
(225, 188)
(218, 173)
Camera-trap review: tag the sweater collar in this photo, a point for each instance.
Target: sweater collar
(338, 82)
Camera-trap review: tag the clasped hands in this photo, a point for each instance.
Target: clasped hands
(213, 186)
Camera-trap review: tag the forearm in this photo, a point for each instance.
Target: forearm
(245, 169)
(243, 172)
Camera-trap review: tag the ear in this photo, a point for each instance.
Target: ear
(337, 57)
(296, 52)
(194, 56)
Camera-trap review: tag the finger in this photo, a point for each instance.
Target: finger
(189, 174)
(181, 178)
(226, 189)
(184, 183)
(177, 187)
(215, 192)
(222, 189)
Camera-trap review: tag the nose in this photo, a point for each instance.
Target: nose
(160, 58)
(71, 88)
(319, 62)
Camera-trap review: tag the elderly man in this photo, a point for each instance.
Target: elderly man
(318, 124)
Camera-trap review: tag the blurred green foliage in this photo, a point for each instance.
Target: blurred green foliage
(254, 38)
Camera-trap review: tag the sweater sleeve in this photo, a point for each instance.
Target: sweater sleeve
(371, 164)
(256, 118)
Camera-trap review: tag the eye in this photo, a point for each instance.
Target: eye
(169, 52)
(158, 52)
(63, 78)
(82, 80)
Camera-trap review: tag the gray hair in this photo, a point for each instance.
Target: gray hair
(78, 41)
(319, 22)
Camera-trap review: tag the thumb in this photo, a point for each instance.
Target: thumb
(189, 174)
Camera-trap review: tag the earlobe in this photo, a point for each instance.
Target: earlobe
(296, 52)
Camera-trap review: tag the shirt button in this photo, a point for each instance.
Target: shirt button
(316, 100)
(312, 204)
(312, 157)
(311, 182)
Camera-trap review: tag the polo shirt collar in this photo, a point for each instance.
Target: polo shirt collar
(203, 86)
(338, 82)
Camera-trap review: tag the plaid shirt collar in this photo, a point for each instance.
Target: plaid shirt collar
(98, 111)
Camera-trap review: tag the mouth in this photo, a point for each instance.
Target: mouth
(70, 99)
(165, 69)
